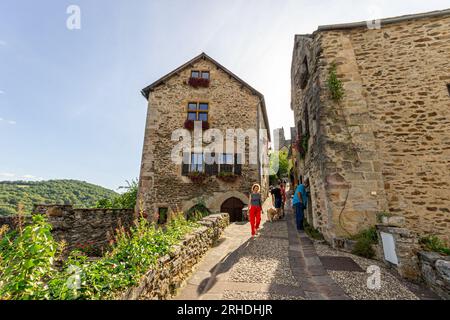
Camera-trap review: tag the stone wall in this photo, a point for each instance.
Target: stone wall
(92, 227)
(436, 272)
(386, 145)
(172, 270)
(231, 105)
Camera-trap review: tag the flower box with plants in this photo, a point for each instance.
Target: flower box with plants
(189, 125)
(301, 145)
(227, 176)
(198, 177)
(198, 82)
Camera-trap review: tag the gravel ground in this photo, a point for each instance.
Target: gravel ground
(249, 295)
(355, 283)
(265, 260)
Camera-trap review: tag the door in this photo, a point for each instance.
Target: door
(233, 206)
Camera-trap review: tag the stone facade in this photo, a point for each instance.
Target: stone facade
(79, 227)
(232, 104)
(386, 145)
(173, 269)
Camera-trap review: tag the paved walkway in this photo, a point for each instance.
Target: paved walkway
(280, 263)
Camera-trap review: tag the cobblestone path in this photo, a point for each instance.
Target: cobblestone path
(280, 263)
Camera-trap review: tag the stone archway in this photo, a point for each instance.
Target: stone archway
(233, 206)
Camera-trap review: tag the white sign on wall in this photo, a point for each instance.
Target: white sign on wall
(389, 247)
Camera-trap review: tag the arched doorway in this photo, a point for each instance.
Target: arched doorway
(233, 206)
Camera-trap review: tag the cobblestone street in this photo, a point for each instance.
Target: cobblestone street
(281, 263)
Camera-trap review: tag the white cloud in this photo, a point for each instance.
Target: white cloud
(2, 92)
(1, 119)
(2, 43)
(7, 175)
(12, 122)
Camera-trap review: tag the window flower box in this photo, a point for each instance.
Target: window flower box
(227, 176)
(189, 125)
(198, 82)
(197, 177)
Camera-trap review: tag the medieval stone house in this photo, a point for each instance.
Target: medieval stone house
(201, 91)
(385, 145)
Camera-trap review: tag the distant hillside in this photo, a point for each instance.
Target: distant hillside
(14, 194)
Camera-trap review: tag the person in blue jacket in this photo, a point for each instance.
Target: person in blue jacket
(300, 201)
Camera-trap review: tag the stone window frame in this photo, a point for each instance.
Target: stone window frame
(197, 111)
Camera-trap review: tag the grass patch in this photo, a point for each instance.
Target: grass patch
(433, 243)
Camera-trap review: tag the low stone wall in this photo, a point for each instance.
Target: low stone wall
(436, 272)
(92, 228)
(172, 270)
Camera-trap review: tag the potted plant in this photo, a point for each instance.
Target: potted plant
(198, 82)
(197, 177)
(189, 125)
(227, 176)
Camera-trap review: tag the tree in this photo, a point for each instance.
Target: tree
(279, 165)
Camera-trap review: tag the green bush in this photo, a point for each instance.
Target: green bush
(197, 212)
(27, 261)
(364, 241)
(363, 248)
(126, 200)
(311, 231)
(27, 266)
(433, 243)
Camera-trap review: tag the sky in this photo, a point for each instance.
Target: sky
(70, 102)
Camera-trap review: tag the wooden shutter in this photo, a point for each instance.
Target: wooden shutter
(237, 164)
(186, 164)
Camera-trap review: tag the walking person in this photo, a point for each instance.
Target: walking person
(255, 208)
(283, 197)
(277, 199)
(300, 201)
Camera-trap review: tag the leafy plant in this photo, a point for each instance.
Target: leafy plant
(197, 177)
(27, 264)
(433, 243)
(334, 84)
(197, 212)
(28, 261)
(364, 241)
(381, 215)
(311, 231)
(126, 200)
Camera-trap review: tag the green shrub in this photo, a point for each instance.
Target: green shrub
(126, 200)
(364, 241)
(363, 248)
(433, 243)
(27, 261)
(28, 271)
(197, 212)
(311, 231)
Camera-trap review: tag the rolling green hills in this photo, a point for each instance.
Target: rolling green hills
(17, 194)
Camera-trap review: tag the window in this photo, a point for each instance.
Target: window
(226, 161)
(200, 74)
(196, 162)
(205, 74)
(448, 88)
(212, 164)
(198, 111)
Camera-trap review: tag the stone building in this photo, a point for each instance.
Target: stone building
(280, 141)
(205, 93)
(385, 145)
